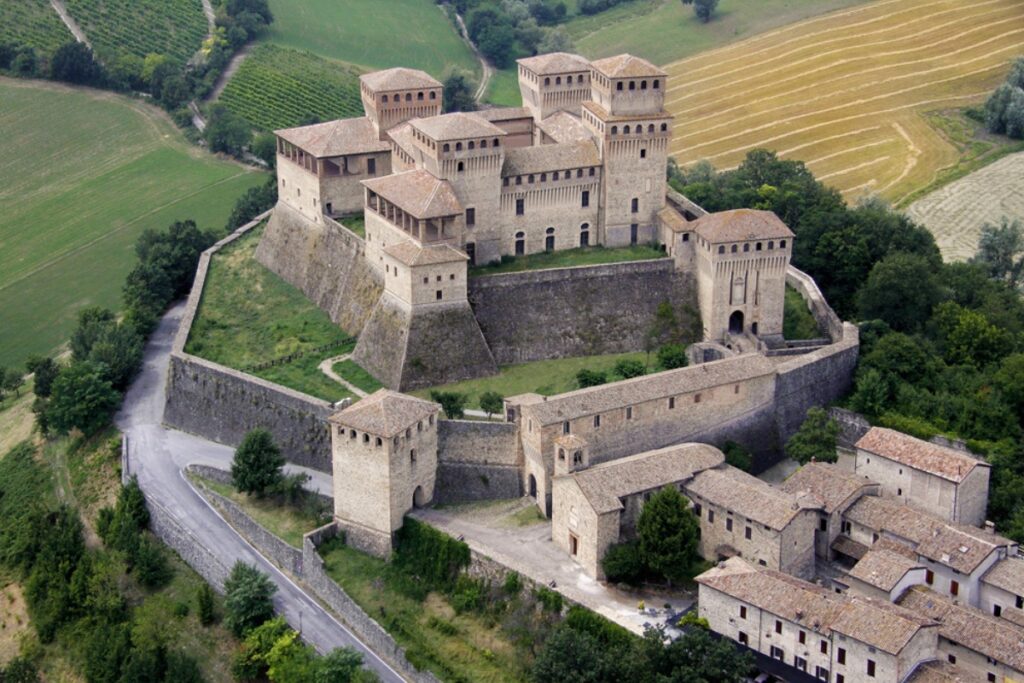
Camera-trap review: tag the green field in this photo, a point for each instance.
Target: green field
(277, 87)
(81, 175)
(249, 316)
(373, 33)
(175, 28)
(545, 377)
(34, 23)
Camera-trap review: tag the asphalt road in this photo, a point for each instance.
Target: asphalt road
(158, 456)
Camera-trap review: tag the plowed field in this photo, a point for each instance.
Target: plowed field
(845, 91)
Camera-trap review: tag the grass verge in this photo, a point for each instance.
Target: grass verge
(353, 373)
(567, 258)
(797, 321)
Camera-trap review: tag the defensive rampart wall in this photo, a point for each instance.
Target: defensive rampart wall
(477, 461)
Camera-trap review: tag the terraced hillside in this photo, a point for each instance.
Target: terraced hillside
(956, 213)
(277, 87)
(175, 28)
(34, 23)
(845, 92)
(82, 173)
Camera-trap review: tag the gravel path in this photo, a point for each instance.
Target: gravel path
(76, 30)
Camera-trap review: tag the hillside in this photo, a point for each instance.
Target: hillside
(845, 92)
(82, 173)
(175, 28)
(33, 23)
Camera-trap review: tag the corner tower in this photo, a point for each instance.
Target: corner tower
(626, 114)
(394, 96)
(384, 453)
(554, 82)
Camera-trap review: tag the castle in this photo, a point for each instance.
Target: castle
(581, 164)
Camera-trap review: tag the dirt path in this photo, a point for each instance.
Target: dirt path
(230, 70)
(487, 70)
(76, 30)
(327, 367)
(211, 17)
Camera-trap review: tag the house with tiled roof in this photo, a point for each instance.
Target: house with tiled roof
(943, 481)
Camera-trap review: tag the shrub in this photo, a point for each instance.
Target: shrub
(550, 600)
(627, 369)
(590, 378)
(469, 594)
(815, 440)
(257, 465)
(204, 605)
(513, 584)
(738, 456)
(672, 356)
(247, 602)
(491, 402)
(453, 403)
(624, 563)
(431, 556)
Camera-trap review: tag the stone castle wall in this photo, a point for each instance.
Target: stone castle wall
(477, 461)
(325, 260)
(582, 311)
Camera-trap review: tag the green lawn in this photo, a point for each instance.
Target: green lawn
(545, 377)
(33, 23)
(664, 31)
(797, 321)
(356, 223)
(82, 174)
(456, 647)
(277, 87)
(504, 89)
(175, 28)
(581, 256)
(288, 522)
(355, 374)
(249, 316)
(373, 33)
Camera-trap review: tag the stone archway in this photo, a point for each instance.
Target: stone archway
(736, 322)
(532, 486)
(419, 498)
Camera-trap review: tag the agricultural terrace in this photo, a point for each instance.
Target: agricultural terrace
(846, 92)
(34, 23)
(956, 213)
(277, 87)
(175, 28)
(372, 33)
(82, 174)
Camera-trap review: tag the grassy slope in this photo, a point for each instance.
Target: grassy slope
(846, 92)
(545, 377)
(81, 175)
(278, 87)
(175, 28)
(586, 256)
(248, 315)
(797, 321)
(373, 33)
(33, 23)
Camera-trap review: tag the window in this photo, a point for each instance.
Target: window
(371, 166)
(458, 146)
(634, 205)
(426, 280)
(711, 516)
(728, 523)
(757, 247)
(743, 611)
(447, 147)
(821, 673)
(379, 442)
(733, 249)
(629, 413)
(762, 563)
(408, 97)
(951, 658)
(586, 198)
(778, 626)
(433, 95)
(520, 239)
(840, 678)
(438, 295)
(412, 455)
(384, 99)
(549, 239)
(871, 668)
(597, 421)
(632, 85)
(823, 647)
(672, 403)
(461, 167)
(802, 637)
(520, 206)
(823, 524)
(470, 216)
(992, 678)
(565, 427)
(954, 588)
(746, 247)
(847, 527)
(618, 86)
(696, 399)
(777, 653)
(997, 610)
(800, 662)
(615, 130)
(530, 178)
(743, 638)
(721, 250)
(782, 244)
(471, 145)
(643, 153)
(899, 492)
(643, 85)
(585, 235)
(841, 656)
(696, 509)
(747, 533)
(1020, 602)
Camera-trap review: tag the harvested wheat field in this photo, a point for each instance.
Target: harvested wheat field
(956, 213)
(845, 92)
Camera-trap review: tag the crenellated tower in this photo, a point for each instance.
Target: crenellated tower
(554, 82)
(394, 96)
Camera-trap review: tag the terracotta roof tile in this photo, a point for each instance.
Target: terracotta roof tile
(971, 628)
(385, 413)
(457, 126)
(503, 113)
(626, 66)
(1007, 574)
(605, 484)
(883, 568)
(831, 484)
(879, 623)
(403, 138)
(418, 193)
(335, 138)
(399, 78)
(674, 220)
(631, 392)
(555, 63)
(412, 254)
(941, 461)
(941, 672)
(748, 496)
(564, 127)
(739, 225)
(546, 158)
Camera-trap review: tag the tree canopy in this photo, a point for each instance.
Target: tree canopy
(257, 467)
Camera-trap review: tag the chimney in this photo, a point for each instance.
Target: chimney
(990, 527)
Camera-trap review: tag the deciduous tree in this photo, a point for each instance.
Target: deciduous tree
(815, 440)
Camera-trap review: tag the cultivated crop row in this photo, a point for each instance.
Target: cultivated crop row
(175, 28)
(33, 23)
(278, 87)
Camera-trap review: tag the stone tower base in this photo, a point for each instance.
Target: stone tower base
(364, 539)
(426, 346)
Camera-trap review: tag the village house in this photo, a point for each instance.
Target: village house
(1002, 590)
(832, 637)
(886, 571)
(943, 481)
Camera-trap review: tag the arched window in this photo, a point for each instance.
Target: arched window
(384, 99)
(625, 130)
(771, 244)
(618, 86)
(782, 244)
(664, 127)
(549, 231)
(447, 147)
(554, 175)
(408, 97)
(615, 130)
(558, 80)
(461, 167)
(483, 144)
(496, 142)
(458, 146)
(758, 247)
(471, 145)
(643, 85)
(529, 178)
(634, 205)
(543, 177)
(549, 239)
(579, 79)
(433, 95)
(746, 247)
(632, 85)
(657, 84)
(547, 81)
(650, 128)
(585, 235)
(419, 97)
(721, 250)
(520, 243)
(733, 250)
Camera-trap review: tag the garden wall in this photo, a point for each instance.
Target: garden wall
(582, 311)
(223, 404)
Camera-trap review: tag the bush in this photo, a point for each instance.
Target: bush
(257, 465)
(81, 398)
(247, 602)
(627, 369)
(204, 605)
(738, 456)
(491, 402)
(550, 600)
(453, 403)
(815, 440)
(255, 201)
(469, 595)
(73, 62)
(590, 378)
(672, 356)
(624, 563)
(433, 557)
(513, 584)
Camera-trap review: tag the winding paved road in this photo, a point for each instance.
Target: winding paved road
(158, 455)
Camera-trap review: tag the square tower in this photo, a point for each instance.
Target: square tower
(626, 115)
(554, 82)
(384, 452)
(742, 256)
(394, 96)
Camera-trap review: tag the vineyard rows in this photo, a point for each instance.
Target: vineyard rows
(32, 22)
(278, 87)
(175, 28)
